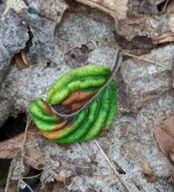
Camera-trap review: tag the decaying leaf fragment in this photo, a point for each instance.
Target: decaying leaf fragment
(137, 42)
(167, 37)
(33, 157)
(21, 60)
(116, 8)
(164, 135)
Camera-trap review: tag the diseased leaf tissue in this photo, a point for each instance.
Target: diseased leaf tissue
(79, 106)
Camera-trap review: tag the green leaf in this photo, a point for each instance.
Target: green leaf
(80, 106)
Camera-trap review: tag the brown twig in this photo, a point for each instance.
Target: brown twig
(32, 177)
(10, 172)
(23, 150)
(112, 166)
(12, 165)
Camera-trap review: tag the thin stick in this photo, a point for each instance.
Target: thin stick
(23, 149)
(32, 177)
(147, 60)
(9, 177)
(27, 185)
(13, 163)
(167, 59)
(11, 171)
(114, 71)
(112, 166)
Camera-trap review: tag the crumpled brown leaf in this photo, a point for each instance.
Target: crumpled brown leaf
(164, 134)
(116, 8)
(33, 156)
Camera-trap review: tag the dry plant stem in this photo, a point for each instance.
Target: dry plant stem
(23, 150)
(33, 177)
(12, 165)
(114, 71)
(10, 172)
(147, 60)
(170, 58)
(27, 186)
(112, 166)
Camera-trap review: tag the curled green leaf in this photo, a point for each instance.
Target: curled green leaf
(79, 106)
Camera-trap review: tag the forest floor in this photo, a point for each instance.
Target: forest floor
(41, 40)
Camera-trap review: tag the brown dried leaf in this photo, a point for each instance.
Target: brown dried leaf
(33, 157)
(139, 52)
(164, 38)
(115, 8)
(138, 42)
(164, 135)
